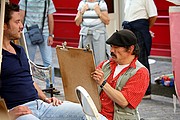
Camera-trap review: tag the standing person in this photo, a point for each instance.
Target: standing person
(140, 16)
(32, 13)
(123, 80)
(23, 97)
(93, 17)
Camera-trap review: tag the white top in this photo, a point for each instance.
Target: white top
(118, 69)
(35, 13)
(91, 15)
(139, 9)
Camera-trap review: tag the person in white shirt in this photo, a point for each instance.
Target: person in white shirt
(140, 16)
(93, 17)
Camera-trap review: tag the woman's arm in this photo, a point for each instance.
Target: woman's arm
(43, 97)
(152, 21)
(19, 111)
(103, 15)
(51, 29)
(78, 18)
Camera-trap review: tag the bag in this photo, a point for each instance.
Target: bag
(35, 34)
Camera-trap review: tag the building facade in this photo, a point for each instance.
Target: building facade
(66, 30)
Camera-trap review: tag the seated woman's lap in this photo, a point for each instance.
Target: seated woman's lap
(44, 111)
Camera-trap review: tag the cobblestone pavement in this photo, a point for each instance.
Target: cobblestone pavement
(156, 108)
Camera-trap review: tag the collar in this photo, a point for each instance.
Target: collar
(131, 65)
(16, 47)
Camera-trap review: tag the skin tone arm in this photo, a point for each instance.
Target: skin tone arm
(18, 111)
(78, 18)
(114, 94)
(51, 28)
(23, 110)
(50, 23)
(103, 15)
(152, 21)
(43, 97)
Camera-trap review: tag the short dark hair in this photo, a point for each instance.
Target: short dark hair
(136, 50)
(9, 9)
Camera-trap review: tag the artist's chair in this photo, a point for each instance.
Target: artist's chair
(38, 71)
(87, 104)
(4, 115)
(42, 73)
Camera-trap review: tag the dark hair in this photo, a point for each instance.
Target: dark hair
(136, 50)
(9, 9)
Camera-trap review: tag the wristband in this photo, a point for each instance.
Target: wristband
(52, 35)
(46, 99)
(102, 85)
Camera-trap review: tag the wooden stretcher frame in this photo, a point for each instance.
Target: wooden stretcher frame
(76, 66)
(3, 108)
(1, 28)
(37, 71)
(4, 115)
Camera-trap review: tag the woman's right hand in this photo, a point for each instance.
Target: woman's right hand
(84, 8)
(18, 111)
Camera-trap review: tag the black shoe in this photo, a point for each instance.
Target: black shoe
(148, 97)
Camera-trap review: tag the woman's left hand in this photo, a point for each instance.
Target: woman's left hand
(97, 9)
(55, 101)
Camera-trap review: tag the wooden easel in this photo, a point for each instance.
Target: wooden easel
(76, 65)
(4, 115)
(1, 28)
(3, 109)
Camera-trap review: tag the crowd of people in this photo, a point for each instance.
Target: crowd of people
(122, 72)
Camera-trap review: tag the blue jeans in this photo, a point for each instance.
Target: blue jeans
(46, 54)
(44, 111)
